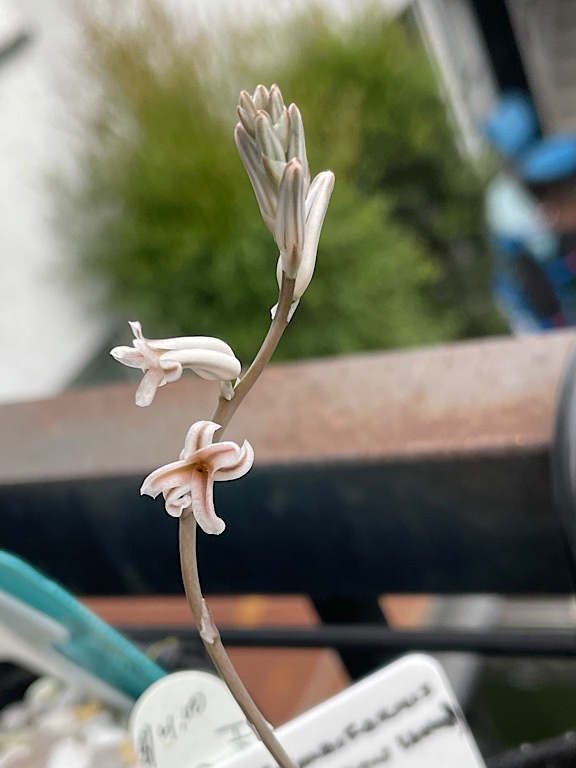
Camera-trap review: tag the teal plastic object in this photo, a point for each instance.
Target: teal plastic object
(92, 643)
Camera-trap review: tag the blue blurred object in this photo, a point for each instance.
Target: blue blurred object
(91, 644)
(513, 303)
(513, 125)
(551, 159)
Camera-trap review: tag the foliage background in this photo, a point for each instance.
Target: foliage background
(166, 213)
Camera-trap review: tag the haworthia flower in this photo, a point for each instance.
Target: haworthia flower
(163, 360)
(190, 481)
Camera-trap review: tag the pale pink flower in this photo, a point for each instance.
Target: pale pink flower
(190, 481)
(163, 360)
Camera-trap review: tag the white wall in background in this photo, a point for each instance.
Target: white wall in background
(47, 331)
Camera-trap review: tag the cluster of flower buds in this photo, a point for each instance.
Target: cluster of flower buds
(270, 140)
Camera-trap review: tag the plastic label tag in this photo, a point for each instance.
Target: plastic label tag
(403, 716)
(188, 719)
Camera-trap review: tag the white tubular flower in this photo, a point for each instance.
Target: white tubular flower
(163, 360)
(271, 142)
(190, 481)
(317, 201)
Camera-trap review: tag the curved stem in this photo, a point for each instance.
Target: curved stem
(188, 560)
(227, 408)
(214, 647)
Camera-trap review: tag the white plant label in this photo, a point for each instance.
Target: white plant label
(403, 716)
(187, 720)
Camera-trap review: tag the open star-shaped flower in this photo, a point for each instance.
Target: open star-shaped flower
(163, 360)
(190, 481)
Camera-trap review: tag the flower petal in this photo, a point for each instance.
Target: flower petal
(174, 475)
(191, 342)
(176, 500)
(267, 142)
(202, 488)
(316, 206)
(244, 461)
(129, 356)
(153, 378)
(275, 103)
(282, 128)
(261, 184)
(260, 97)
(200, 435)
(275, 169)
(289, 230)
(247, 103)
(141, 345)
(218, 455)
(205, 362)
(136, 327)
(171, 369)
(247, 119)
(297, 142)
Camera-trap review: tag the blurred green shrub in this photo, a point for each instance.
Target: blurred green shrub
(166, 214)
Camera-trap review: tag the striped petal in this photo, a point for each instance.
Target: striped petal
(316, 206)
(174, 475)
(261, 184)
(202, 494)
(153, 378)
(176, 500)
(129, 356)
(289, 230)
(243, 463)
(200, 435)
(207, 363)
(267, 142)
(190, 342)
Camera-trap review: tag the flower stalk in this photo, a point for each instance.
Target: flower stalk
(188, 558)
(227, 408)
(214, 647)
(270, 140)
